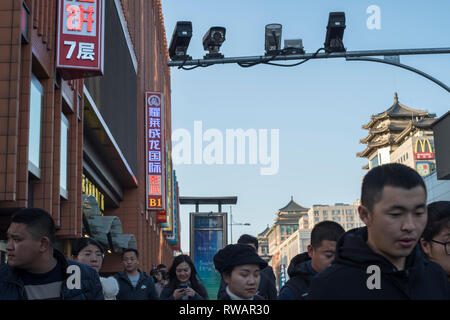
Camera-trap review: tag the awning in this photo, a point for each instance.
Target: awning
(105, 229)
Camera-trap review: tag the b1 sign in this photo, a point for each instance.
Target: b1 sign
(80, 38)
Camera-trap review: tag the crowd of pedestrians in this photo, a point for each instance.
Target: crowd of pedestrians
(403, 253)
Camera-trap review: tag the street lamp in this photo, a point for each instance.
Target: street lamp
(235, 224)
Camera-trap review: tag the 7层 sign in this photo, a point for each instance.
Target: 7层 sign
(80, 38)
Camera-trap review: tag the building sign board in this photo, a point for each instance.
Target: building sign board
(80, 38)
(155, 155)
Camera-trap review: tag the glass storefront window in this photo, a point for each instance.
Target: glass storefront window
(63, 155)
(34, 137)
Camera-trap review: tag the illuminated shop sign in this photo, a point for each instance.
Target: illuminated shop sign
(423, 150)
(80, 38)
(155, 142)
(88, 187)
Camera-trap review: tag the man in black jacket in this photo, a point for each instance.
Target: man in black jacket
(133, 283)
(266, 288)
(305, 266)
(37, 271)
(383, 260)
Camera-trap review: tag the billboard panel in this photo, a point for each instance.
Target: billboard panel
(208, 234)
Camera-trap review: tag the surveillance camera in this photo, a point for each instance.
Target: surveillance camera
(273, 38)
(181, 37)
(212, 41)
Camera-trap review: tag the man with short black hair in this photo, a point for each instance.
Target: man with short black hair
(267, 288)
(305, 266)
(383, 261)
(133, 283)
(37, 271)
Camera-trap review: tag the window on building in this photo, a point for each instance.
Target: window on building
(282, 229)
(316, 219)
(35, 128)
(295, 227)
(374, 162)
(63, 155)
(325, 212)
(316, 213)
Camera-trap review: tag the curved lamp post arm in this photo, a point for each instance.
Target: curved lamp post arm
(400, 65)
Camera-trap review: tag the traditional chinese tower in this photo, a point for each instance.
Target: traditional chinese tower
(399, 134)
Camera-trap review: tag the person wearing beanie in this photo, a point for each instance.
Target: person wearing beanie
(239, 266)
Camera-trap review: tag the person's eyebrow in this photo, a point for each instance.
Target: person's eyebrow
(399, 207)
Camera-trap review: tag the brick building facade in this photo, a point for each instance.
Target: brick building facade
(61, 140)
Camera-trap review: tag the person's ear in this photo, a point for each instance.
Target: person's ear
(365, 215)
(426, 247)
(226, 278)
(44, 244)
(310, 251)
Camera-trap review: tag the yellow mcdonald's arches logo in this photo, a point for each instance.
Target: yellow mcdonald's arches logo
(423, 144)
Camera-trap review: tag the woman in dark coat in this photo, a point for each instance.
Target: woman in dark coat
(183, 282)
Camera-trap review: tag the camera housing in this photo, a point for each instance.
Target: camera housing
(179, 43)
(212, 41)
(335, 32)
(273, 38)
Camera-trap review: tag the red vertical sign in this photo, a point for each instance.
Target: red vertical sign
(155, 142)
(80, 38)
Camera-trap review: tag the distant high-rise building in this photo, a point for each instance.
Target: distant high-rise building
(344, 214)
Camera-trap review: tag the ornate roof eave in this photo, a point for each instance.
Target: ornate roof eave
(292, 206)
(412, 126)
(388, 113)
(372, 145)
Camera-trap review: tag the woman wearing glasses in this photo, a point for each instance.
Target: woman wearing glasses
(90, 252)
(435, 239)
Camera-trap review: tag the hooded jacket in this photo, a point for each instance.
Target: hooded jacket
(356, 270)
(12, 286)
(144, 290)
(300, 276)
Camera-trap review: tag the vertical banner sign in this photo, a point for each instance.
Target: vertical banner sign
(80, 38)
(156, 193)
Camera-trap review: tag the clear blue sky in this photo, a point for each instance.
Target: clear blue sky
(319, 107)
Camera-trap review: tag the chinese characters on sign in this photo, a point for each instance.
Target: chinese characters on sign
(80, 38)
(155, 151)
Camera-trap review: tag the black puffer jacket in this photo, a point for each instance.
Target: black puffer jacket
(300, 277)
(12, 287)
(348, 277)
(144, 290)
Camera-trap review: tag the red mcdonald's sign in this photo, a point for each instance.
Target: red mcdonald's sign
(423, 153)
